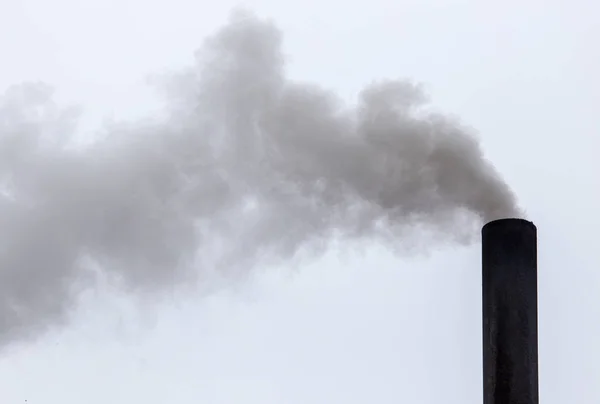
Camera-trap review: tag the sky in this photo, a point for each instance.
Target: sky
(360, 323)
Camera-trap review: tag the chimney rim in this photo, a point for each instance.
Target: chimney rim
(515, 221)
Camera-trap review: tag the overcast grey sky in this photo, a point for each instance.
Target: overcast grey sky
(352, 327)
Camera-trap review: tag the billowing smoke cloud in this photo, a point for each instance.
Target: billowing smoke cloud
(245, 162)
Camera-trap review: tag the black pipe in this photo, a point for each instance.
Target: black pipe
(510, 325)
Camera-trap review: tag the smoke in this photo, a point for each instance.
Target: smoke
(244, 162)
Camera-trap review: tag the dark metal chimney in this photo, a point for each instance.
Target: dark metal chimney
(510, 338)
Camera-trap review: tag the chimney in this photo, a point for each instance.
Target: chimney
(510, 329)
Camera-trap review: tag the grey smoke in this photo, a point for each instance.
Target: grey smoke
(244, 162)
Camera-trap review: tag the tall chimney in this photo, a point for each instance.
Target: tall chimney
(510, 329)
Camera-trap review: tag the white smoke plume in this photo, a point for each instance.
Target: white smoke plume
(244, 159)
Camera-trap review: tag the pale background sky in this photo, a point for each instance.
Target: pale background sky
(350, 327)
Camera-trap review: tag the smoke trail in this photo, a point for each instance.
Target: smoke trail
(245, 160)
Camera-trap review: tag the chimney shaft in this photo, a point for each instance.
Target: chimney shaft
(510, 338)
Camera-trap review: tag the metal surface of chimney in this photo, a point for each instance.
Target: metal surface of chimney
(510, 325)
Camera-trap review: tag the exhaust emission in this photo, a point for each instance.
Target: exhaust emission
(243, 165)
(510, 336)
